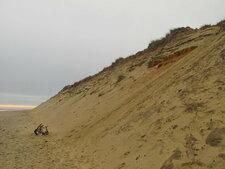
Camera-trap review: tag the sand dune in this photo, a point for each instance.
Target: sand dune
(162, 108)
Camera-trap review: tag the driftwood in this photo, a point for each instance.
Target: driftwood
(41, 130)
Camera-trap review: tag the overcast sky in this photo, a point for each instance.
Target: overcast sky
(47, 44)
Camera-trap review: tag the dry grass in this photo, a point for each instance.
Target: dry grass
(205, 26)
(168, 38)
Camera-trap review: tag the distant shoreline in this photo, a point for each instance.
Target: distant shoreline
(13, 110)
(15, 107)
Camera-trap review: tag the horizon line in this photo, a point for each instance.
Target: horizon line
(17, 106)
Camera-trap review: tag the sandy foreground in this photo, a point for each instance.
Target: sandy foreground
(20, 147)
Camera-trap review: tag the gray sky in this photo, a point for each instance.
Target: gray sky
(47, 44)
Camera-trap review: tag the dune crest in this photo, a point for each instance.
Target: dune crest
(156, 109)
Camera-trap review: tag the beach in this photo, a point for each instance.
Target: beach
(20, 148)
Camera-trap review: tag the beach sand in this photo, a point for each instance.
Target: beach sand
(20, 147)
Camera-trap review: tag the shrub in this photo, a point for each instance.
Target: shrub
(118, 61)
(221, 24)
(205, 26)
(120, 78)
(168, 38)
(193, 107)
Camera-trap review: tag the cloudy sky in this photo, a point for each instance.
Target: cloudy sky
(47, 44)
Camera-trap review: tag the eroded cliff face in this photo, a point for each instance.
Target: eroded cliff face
(162, 108)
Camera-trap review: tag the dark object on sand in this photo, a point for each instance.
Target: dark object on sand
(41, 130)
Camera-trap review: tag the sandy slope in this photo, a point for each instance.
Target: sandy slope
(162, 108)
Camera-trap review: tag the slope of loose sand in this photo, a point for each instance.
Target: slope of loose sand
(162, 108)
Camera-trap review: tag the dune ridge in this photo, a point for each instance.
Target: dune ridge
(154, 109)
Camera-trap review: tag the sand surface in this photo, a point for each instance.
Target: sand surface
(20, 147)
